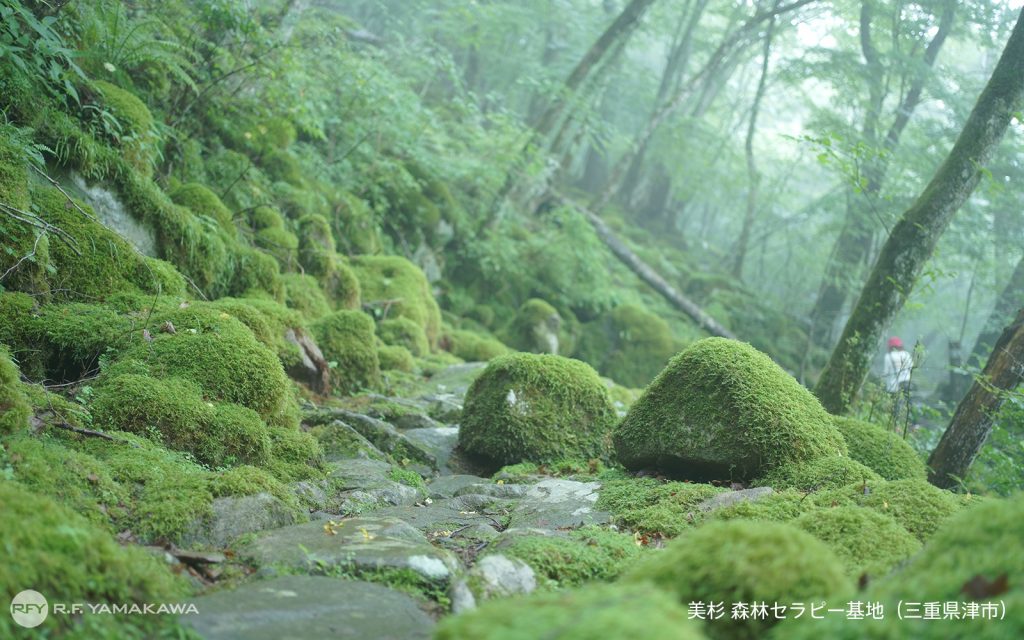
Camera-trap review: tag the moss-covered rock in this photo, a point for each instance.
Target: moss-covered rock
(341, 284)
(394, 283)
(472, 346)
(536, 408)
(295, 454)
(53, 550)
(201, 201)
(974, 560)
(596, 611)
(257, 272)
(535, 328)
(316, 244)
(779, 506)
(723, 410)
(303, 293)
(404, 332)
(650, 506)
(629, 344)
(347, 340)
(280, 243)
(246, 480)
(136, 135)
(394, 358)
(358, 232)
(585, 555)
(740, 561)
(830, 472)
(883, 451)
(174, 413)
(14, 408)
(917, 505)
(20, 240)
(866, 541)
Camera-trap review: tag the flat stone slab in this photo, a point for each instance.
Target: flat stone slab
(438, 442)
(454, 379)
(363, 544)
(309, 607)
(559, 504)
(446, 486)
(492, 576)
(450, 514)
(733, 497)
(234, 516)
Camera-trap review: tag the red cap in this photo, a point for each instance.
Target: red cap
(895, 342)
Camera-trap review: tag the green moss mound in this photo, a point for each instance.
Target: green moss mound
(221, 355)
(303, 293)
(341, 284)
(586, 555)
(14, 408)
(246, 480)
(596, 611)
(316, 244)
(536, 408)
(403, 332)
(629, 345)
(296, 455)
(474, 347)
(722, 409)
(20, 239)
(917, 505)
(974, 559)
(58, 553)
(136, 137)
(395, 279)
(780, 506)
(347, 340)
(883, 451)
(203, 202)
(866, 541)
(395, 359)
(535, 328)
(830, 472)
(740, 561)
(653, 507)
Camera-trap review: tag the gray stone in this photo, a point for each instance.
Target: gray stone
(445, 407)
(495, 490)
(304, 607)
(437, 442)
(385, 437)
(234, 516)
(556, 504)
(492, 576)
(733, 497)
(448, 515)
(342, 442)
(453, 380)
(360, 544)
(111, 212)
(446, 486)
(411, 421)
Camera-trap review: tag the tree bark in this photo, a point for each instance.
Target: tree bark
(850, 251)
(972, 422)
(914, 237)
(648, 274)
(753, 176)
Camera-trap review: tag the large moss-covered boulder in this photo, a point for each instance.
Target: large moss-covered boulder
(883, 451)
(403, 332)
(203, 202)
(628, 344)
(396, 285)
(598, 611)
(536, 408)
(347, 340)
(53, 550)
(867, 541)
(738, 561)
(14, 408)
(723, 410)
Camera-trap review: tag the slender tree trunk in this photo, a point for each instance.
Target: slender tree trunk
(972, 422)
(753, 176)
(913, 239)
(850, 252)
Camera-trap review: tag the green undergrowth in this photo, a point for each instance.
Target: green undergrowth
(654, 507)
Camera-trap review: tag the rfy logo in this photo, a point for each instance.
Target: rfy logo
(29, 608)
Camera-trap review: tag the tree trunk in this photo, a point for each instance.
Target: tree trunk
(914, 237)
(753, 176)
(850, 251)
(973, 419)
(649, 275)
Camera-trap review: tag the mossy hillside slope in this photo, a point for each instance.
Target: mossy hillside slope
(397, 285)
(722, 409)
(536, 408)
(628, 344)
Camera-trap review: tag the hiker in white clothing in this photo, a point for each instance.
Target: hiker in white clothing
(898, 366)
